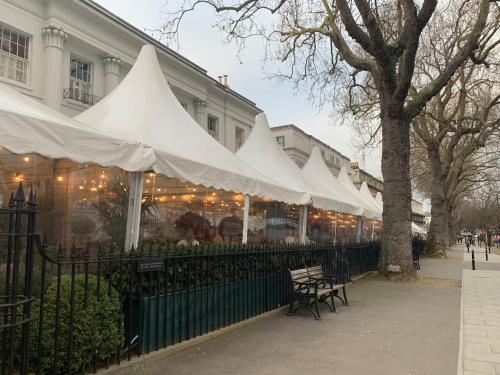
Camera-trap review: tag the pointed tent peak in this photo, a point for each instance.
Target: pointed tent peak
(261, 132)
(316, 152)
(316, 162)
(344, 175)
(364, 188)
(261, 121)
(379, 198)
(131, 102)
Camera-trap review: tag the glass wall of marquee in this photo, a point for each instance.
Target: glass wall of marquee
(77, 203)
(180, 212)
(86, 203)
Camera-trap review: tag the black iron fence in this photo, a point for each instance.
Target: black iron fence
(77, 310)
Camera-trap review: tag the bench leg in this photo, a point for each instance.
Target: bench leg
(345, 296)
(290, 309)
(336, 294)
(333, 302)
(315, 311)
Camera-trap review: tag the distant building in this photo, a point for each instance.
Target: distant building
(298, 146)
(418, 215)
(359, 176)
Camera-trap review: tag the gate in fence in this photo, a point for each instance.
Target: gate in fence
(76, 310)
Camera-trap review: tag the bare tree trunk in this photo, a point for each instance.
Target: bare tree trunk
(438, 231)
(396, 254)
(451, 224)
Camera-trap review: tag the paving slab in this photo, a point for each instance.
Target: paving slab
(480, 321)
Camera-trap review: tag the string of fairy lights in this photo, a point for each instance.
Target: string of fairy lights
(97, 181)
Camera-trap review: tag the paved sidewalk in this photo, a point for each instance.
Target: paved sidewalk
(388, 329)
(480, 335)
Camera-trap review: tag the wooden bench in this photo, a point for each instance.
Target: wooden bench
(310, 287)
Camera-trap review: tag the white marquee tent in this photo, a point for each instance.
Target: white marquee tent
(379, 199)
(263, 153)
(365, 192)
(143, 108)
(27, 126)
(318, 173)
(369, 210)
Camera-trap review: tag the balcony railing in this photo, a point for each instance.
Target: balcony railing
(77, 95)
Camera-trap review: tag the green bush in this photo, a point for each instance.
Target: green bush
(97, 329)
(82, 225)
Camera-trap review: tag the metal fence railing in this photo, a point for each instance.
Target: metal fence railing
(96, 307)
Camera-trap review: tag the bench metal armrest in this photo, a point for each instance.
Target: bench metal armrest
(305, 288)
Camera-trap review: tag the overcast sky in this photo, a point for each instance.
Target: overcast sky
(205, 46)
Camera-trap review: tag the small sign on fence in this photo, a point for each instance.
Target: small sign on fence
(149, 265)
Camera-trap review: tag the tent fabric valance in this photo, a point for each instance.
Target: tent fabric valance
(143, 108)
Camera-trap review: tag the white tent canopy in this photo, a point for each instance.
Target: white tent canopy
(365, 191)
(143, 108)
(28, 126)
(368, 210)
(379, 199)
(263, 153)
(320, 175)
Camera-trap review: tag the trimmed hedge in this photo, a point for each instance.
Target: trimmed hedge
(96, 332)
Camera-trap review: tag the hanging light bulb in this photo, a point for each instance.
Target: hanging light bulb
(26, 159)
(59, 178)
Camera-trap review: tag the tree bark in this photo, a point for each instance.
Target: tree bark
(396, 256)
(438, 231)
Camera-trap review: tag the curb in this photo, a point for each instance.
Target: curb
(460, 366)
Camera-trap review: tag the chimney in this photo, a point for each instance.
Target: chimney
(220, 79)
(225, 81)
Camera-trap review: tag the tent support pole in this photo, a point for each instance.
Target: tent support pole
(134, 210)
(246, 209)
(359, 230)
(302, 224)
(373, 228)
(335, 233)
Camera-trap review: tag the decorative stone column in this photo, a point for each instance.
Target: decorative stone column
(53, 41)
(111, 72)
(200, 112)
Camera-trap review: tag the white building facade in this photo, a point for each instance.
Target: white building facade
(70, 53)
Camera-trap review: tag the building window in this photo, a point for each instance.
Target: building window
(80, 81)
(281, 140)
(213, 126)
(80, 76)
(239, 137)
(323, 154)
(14, 55)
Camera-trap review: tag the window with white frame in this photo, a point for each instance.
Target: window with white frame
(213, 126)
(281, 140)
(14, 55)
(80, 78)
(239, 137)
